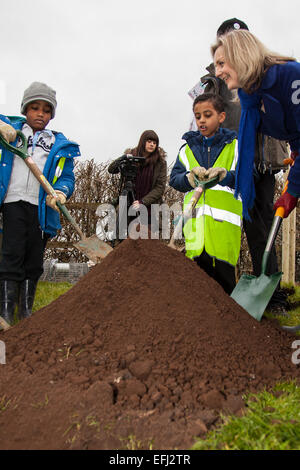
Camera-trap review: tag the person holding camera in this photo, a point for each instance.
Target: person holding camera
(143, 172)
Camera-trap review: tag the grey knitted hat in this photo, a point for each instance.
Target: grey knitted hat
(39, 91)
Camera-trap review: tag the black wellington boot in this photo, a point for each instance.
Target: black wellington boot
(26, 298)
(9, 296)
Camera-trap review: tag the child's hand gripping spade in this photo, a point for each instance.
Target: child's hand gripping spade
(201, 186)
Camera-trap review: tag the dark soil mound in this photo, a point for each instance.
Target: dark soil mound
(143, 352)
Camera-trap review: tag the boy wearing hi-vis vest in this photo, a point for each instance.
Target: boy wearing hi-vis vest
(213, 232)
(30, 217)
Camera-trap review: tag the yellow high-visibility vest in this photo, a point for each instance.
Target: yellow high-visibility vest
(216, 223)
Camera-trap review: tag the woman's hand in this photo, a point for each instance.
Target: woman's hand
(288, 202)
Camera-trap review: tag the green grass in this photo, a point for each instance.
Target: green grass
(46, 292)
(271, 422)
(294, 307)
(294, 300)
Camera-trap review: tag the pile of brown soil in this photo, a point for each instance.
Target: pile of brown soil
(143, 352)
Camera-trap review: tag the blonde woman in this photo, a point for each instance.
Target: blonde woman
(269, 91)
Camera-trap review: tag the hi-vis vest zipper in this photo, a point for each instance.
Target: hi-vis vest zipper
(215, 225)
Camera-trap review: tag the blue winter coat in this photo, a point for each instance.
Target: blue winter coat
(48, 218)
(280, 118)
(206, 152)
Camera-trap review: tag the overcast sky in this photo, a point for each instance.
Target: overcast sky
(120, 67)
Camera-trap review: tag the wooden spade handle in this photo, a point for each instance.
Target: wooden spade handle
(193, 201)
(51, 191)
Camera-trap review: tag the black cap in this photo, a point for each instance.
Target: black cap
(232, 24)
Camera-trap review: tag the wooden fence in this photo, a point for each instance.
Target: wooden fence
(287, 246)
(94, 184)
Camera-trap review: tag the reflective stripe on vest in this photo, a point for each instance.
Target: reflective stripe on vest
(59, 169)
(216, 223)
(184, 159)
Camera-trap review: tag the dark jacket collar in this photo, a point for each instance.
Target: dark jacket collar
(222, 136)
(197, 144)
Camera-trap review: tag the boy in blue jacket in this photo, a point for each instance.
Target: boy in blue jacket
(30, 216)
(213, 233)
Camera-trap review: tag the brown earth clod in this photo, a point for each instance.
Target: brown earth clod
(145, 351)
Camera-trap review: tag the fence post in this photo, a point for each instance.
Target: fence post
(289, 247)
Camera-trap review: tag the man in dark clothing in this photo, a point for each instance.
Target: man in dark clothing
(269, 157)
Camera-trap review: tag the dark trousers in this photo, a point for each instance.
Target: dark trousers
(23, 242)
(220, 271)
(257, 230)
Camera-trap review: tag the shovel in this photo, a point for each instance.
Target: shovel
(94, 248)
(202, 186)
(254, 293)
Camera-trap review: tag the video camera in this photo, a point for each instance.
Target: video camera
(129, 166)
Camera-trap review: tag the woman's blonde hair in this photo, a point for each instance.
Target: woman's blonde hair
(248, 56)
